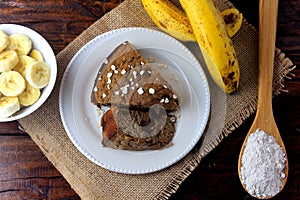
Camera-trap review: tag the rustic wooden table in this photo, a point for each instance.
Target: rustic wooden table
(25, 173)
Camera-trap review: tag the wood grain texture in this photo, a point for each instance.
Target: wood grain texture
(25, 173)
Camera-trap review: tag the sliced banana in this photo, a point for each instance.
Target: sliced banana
(8, 106)
(24, 61)
(8, 60)
(36, 54)
(21, 43)
(29, 96)
(38, 74)
(11, 83)
(3, 40)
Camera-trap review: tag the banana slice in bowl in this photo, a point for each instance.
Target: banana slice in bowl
(8, 106)
(8, 60)
(38, 74)
(3, 40)
(29, 72)
(12, 83)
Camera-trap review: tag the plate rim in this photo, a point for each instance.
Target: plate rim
(103, 37)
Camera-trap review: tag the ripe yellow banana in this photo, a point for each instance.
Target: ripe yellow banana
(11, 83)
(3, 40)
(21, 43)
(169, 18)
(38, 74)
(215, 43)
(172, 20)
(8, 106)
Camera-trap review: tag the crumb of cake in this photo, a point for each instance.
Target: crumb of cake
(99, 111)
(151, 59)
(173, 77)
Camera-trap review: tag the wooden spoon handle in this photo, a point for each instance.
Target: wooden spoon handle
(267, 35)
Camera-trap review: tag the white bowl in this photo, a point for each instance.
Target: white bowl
(43, 46)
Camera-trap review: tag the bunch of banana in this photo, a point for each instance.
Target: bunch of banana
(208, 29)
(169, 18)
(172, 20)
(23, 73)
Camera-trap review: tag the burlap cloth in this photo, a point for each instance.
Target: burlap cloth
(227, 113)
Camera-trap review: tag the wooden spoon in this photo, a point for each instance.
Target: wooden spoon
(264, 119)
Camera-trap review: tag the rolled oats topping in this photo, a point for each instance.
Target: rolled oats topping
(151, 90)
(140, 90)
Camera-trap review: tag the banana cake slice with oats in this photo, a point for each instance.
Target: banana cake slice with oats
(140, 102)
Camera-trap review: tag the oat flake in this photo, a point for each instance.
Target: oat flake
(140, 90)
(151, 91)
(263, 162)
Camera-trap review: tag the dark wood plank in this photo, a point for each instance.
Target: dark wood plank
(27, 174)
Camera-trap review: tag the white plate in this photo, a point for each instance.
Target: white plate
(80, 119)
(43, 46)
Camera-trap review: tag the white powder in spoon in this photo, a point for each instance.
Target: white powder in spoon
(263, 162)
